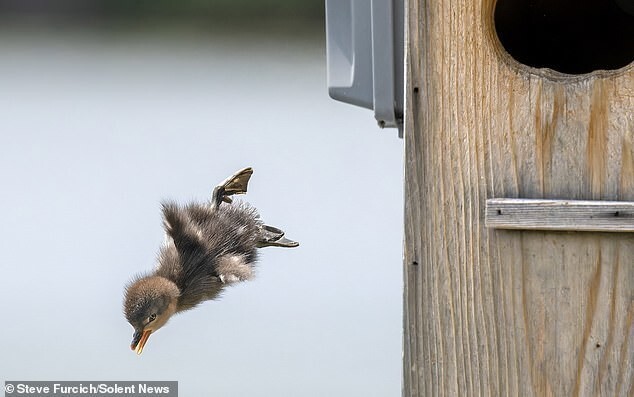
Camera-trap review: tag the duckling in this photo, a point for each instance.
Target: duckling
(207, 247)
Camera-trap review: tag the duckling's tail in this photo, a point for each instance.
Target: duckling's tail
(273, 237)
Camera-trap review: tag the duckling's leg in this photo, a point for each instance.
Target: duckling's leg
(273, 237)
(235, 184)
(232, 268)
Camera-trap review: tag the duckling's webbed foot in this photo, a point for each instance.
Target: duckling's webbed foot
(235, 184)
(273, 237)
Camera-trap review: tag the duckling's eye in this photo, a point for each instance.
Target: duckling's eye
(152, 317)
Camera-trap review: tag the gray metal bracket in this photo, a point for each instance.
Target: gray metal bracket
(364, 47)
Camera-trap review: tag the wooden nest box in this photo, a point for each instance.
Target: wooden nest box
(519, 198)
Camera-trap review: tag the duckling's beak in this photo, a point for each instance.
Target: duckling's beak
(139, 339)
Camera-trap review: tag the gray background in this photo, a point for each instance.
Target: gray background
(98, 126)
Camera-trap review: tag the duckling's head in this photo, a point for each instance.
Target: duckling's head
(149, 303)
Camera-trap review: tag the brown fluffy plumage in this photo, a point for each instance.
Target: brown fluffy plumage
(208, 246)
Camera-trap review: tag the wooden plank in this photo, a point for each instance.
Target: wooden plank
(494, 312)
(563, 215)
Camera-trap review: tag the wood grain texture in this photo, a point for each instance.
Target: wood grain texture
(500, 312)
(563, 215)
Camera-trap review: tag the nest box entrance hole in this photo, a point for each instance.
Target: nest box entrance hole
(569, 36)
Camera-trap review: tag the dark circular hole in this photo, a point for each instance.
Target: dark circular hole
(569, 36)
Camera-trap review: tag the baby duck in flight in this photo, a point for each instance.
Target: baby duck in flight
(208, 246)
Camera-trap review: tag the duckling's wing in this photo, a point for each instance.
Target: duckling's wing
(187, 237)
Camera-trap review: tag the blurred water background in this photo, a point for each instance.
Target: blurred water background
(109, 107)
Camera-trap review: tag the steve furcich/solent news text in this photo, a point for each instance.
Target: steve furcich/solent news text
(36, 389)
